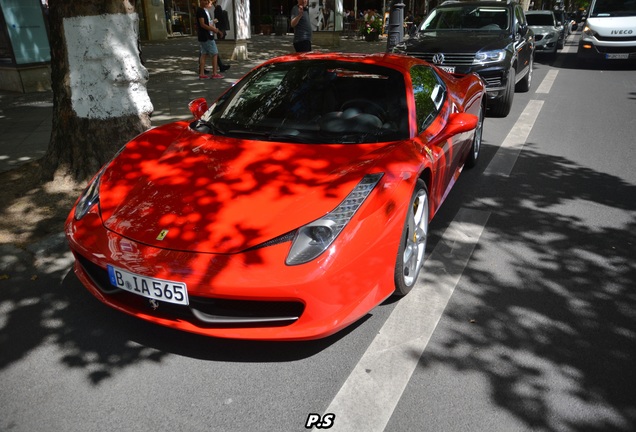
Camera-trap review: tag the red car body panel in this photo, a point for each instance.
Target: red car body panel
(220, 199)
(225, 180)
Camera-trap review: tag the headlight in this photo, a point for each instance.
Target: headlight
(489, 57)
(89, 198)
(314, 238)
(588, 32)
(551, 35)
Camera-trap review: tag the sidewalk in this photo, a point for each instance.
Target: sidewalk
(25, 119)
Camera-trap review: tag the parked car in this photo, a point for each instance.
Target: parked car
(574, 25)
(288, 209)
(490, 38)
(609, 32)
(548, 36)
(564, 22)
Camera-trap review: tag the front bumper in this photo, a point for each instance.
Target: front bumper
(544, 44)
(590, 48)
(250, 295)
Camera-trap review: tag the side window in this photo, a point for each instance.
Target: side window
(429, 92)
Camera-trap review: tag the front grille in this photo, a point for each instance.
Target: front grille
(98, 275)
(538, 37)
(245, 312)
(450, 59)
(616, 50)
(616, 38)
(202, 311)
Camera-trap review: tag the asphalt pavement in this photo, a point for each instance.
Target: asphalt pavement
(26, 119)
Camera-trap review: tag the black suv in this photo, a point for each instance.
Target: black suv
(490, 38)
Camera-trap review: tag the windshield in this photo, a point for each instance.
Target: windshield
(613, 8)
(540, 19)
(315, 101)
(473, 18)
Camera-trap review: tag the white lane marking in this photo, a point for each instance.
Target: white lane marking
(508, 152)
(369, 396)
(547, 82)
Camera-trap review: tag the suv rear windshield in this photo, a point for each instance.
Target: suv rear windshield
(470, 17)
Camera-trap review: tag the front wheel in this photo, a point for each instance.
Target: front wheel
(410, 256)
(504, 104)
(471, 161)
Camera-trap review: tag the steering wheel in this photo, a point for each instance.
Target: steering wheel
(366, 106)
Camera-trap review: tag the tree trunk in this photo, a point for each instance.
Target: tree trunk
(100, 99)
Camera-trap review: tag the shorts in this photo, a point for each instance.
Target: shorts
(209, 47)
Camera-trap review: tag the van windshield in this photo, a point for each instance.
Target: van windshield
(613, 8)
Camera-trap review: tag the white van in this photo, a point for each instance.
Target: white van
(609, 32)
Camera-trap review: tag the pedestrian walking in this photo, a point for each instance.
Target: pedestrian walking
(302, 27)
(221, 22)
(205, 35)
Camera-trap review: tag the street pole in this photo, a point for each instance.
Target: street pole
(396, 24)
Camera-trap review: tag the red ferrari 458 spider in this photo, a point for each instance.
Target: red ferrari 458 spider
(289, 208)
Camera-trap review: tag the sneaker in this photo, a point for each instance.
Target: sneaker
(224, 68)
(204, 77)
(217, 76)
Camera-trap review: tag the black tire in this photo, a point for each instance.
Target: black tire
(504, 104)
(523, 86)
(475, 148)
(410, 257)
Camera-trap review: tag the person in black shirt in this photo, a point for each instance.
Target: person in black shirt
(222, 23)
(205, 35)
(302, 27)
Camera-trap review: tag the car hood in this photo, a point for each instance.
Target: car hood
(178, 189)
(456, 42)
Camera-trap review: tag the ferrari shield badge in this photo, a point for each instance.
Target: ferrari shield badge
(162, 235)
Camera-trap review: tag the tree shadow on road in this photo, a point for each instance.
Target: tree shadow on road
(560, 327)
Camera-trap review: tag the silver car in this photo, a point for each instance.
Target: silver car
(548, 33)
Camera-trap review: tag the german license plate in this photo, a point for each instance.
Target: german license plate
(617, 56)
(449, 69)
(152, 288)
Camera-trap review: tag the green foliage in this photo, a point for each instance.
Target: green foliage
(373, 26)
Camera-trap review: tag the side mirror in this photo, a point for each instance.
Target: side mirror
(198, 107)
(458, 123)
